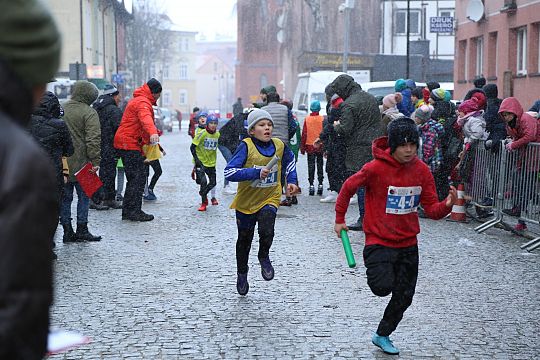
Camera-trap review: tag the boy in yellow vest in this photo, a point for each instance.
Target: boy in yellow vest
(259, 191)
(204, 150)
(311, 131)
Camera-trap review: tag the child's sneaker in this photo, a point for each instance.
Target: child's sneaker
(286, 202)
(242, 285)
(330, 198)
(229, 190)
(267, 270)
(203, 207)
(214, 201)
(354, 200)
(311, 190)
(520, 226)
(319, 190)
(385, 344)
(294, 200)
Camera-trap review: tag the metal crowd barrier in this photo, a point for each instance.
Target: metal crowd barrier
(506, 180)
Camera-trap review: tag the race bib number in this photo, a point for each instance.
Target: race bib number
(403, 200)
(210, 144)
(271, 179)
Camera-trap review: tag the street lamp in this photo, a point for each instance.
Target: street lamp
(346, 9)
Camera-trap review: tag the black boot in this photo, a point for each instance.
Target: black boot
(69, 234)
(84, 235)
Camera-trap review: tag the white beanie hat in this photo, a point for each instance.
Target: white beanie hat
(257, 115)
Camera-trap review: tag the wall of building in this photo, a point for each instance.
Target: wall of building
(498, 32)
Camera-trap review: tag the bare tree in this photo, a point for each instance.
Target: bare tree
(147, 41)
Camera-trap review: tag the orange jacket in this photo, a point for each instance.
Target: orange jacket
(310, 132)
(137, 122)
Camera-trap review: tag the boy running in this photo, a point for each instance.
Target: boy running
(257, 202)
(396, 182)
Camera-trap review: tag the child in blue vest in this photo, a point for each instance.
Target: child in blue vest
(259, 191)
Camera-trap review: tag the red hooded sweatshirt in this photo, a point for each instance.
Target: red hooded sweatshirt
(137, 122)
(393, 191)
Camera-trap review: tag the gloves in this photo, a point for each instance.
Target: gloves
(508, 146)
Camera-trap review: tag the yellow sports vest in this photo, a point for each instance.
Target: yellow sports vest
(249, 199)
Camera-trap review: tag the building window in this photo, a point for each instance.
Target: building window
(183, 71)
(447, 13)
(401, 22)
(479, 56)
(166, 98)
(462, 60)
(186, 44)
(183, 97)
(165, 71)
(521, 44)
(263, 81)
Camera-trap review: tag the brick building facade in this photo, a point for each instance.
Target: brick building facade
(503, 46)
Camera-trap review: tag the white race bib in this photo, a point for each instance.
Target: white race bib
(271, 179)
(403, 200)
(210, 144)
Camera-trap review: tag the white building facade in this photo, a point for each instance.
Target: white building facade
(431, 20)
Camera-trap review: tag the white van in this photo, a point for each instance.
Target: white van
(61, 88)
(311, 87)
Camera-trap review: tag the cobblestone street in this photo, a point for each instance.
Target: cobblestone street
(166, 289)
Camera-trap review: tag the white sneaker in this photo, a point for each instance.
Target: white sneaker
(330, 198)
(229, 190)
(354, 200)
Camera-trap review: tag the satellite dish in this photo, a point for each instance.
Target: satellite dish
(281, 36)
(475, 10)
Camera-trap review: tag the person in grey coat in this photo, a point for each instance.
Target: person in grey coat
(359, 125)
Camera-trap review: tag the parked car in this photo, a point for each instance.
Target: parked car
(158, 118)
(167, 119)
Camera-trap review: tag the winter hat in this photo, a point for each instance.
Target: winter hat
(315, 106)
(479, 82)
(410, 83)
(491, 91)
(257, 115)
(400, 85)
(212, 118)
(110, 90)
(468, 106)
(447, 95)
(480, 98)
(391, 100)
(401, 131)
(154, 85)
(423, 113)
(438, 94)
(202, 114)
(29, 41)
(336, 101)
(433, 85)
(417, 92)
(268, 89)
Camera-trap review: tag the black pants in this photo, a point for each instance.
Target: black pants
(336, 170)
(107, 174)
(136, 179)
(311, 158)
(206, 184)
(156, 166)
(266, 218)
(392, 271)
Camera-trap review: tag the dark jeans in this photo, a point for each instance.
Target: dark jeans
(336, 170)
(311, 158)
(136, 179)
(83, 203)
(156, 166)
(227, 155)
(266, 218)
(107, 174)
(206, 185)
(392, 271)
(361, 192)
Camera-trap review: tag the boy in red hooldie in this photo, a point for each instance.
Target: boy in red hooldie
(396, 183)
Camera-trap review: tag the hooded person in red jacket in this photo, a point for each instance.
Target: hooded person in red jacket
(396, 183)
(136, 129)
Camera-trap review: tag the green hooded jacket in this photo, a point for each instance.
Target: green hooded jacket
(83, 124)
(360, 121)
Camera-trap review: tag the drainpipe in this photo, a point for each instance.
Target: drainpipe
(82, 30)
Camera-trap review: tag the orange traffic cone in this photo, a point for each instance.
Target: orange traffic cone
(458, 209)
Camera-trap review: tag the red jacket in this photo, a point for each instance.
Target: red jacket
(137, 122)
(381, 226)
